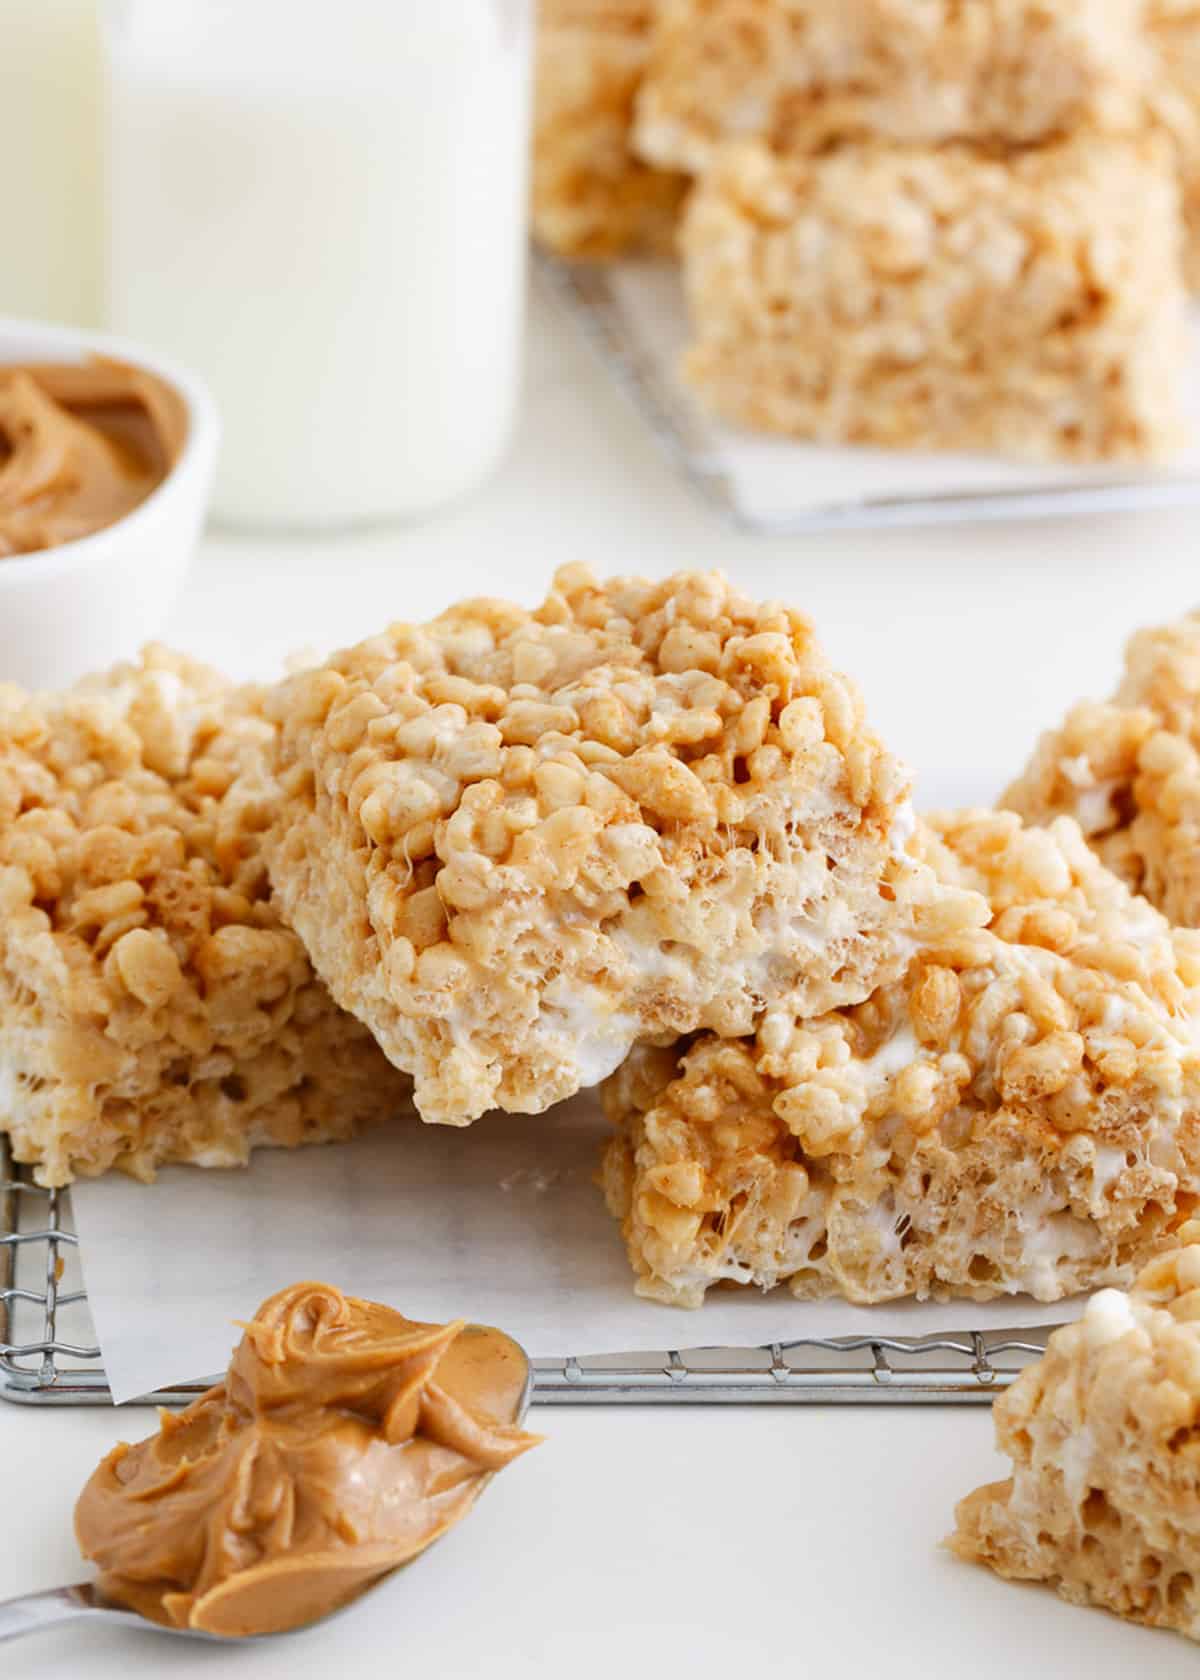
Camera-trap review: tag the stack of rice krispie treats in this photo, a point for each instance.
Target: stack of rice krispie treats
(914, 224)
(640, 836)
(1019, 1112)
(486, 855)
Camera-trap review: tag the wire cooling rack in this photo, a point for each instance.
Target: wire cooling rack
(49, 1356)
(592, 294)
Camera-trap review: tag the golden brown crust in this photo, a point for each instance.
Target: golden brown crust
(1019, 1112)
(152, 1006)
(1104, 1435)
(592, 197)
(803, 74)
(516, 843)
(942, 298)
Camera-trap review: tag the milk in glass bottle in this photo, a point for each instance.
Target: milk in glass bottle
(321, 208)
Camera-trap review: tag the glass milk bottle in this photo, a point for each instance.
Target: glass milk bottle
(321, 208)
(50, 135)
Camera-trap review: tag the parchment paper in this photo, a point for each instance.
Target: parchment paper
(500, 1223)
(774, 479)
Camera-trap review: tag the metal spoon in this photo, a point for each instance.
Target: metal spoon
(55, 1607)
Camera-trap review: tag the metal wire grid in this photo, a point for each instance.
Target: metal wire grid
(49, 1356)
(684, 435)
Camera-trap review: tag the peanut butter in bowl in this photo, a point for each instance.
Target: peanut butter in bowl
(344, 1440)
(81, 446)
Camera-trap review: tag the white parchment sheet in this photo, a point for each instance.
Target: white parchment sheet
(500, 1222)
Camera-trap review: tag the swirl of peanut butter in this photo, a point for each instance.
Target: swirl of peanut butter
(80, 447)
(344, 1440)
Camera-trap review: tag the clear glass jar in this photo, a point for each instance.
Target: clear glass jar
(321, 208)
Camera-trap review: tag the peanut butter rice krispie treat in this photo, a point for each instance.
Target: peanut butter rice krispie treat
(1104, 1433)
(1027, 302)
(152, 1006)
(517, 843)
(591, 196)
(803, 73)
(1128, 771)
(1019, 1112)
(1174, 33)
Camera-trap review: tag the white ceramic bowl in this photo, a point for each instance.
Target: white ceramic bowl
(82, 605)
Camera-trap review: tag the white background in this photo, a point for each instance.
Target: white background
(720, 1542)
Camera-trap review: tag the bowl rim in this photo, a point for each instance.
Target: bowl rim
(48, 341)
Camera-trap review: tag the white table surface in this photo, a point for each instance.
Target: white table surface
(701, 1543)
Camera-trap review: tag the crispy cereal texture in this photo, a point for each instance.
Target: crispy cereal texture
(1128, 771)
(1027, 303)
(152, 1007)
(1019, 1112)
(517, 843)
(591, 196)
(1174, 32)
(801, 74)
(1104, 1433)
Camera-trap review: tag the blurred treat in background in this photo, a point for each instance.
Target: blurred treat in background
(1027, 302)
(1174, 32)
(592, 196)
(50, 139)
(325, 216)
(805, 74)
(919, 226)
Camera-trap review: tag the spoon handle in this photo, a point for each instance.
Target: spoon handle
(34, 1611)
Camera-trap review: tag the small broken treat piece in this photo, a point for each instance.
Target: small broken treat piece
(517, 843)
(1128, 771)
(1025, 302)
(152, 1006)
(1104, 1435)
(1020, 1112)
(591, 196)
(1174, 33)
(344, 1440)
(802, 74)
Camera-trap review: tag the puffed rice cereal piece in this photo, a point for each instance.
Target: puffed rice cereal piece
(1104, 1436)
(1020, 1112)
(152, 1006)
(591, 196)
(1027, 302)
(1128, 771)
(802, 74)
(517, 843)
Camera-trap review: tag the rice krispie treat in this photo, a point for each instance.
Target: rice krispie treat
(801, 74)
(152, 1006)
(591, 196)
(1128, 771)
(1020, 1112)
(1104, 1435)
(1174, 33)
(517, 843)
(1027, 302)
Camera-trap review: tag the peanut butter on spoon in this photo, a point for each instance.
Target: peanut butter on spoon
(81, 446)
(343, 1441)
